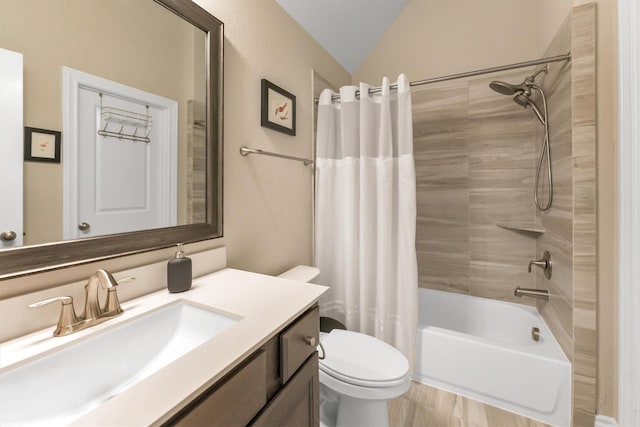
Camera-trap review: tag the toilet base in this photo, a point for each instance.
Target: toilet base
(362, 413)
(344, 411)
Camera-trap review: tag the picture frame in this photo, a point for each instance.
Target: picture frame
(278, 108)
(41, 145)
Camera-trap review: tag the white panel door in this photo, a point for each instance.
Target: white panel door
(119, 180)
(11, 148)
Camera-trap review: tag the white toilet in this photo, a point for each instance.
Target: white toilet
(358, 374)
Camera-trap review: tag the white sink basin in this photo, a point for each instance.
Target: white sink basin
(59, 387)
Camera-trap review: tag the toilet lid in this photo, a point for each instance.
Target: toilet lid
(363, 360)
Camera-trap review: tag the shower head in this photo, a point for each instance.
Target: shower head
(507, 88)
(525, 86)
(521, 93)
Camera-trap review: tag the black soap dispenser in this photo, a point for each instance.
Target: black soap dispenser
(179, 272)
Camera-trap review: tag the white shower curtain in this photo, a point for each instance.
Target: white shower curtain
(366, 212)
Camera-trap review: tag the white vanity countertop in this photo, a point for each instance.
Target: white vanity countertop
(265, 303)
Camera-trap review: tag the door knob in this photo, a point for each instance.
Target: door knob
(8, 236)
(83, 226)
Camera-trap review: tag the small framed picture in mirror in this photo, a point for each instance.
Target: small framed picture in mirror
(278, 109)
(41, 145)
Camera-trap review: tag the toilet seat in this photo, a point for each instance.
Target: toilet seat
(361, 360)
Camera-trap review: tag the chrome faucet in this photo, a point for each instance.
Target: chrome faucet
(69, 322)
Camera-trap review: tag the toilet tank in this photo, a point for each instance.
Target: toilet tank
(305, 273)
(301, 273)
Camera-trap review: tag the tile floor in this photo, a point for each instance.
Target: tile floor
(424, 406)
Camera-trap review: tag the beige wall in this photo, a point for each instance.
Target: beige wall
(144, 46)
(267, 201)
(434, 38)
(549, 16)
(267, 224)
(458, 35)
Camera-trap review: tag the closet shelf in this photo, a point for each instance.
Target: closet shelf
(529, 227)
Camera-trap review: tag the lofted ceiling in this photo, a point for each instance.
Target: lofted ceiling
(347, 29)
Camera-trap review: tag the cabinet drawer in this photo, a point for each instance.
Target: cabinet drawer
(235, 402)
(298, 342)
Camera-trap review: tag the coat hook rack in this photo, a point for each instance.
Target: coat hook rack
(131, 121)
(245, 151)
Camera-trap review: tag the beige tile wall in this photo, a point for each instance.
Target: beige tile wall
(583, 88)
(558, 221)
(501, 182)
(440, 128)
(474, 168)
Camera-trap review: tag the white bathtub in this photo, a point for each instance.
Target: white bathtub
(483, 349)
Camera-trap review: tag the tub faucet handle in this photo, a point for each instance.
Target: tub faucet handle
(544, 263)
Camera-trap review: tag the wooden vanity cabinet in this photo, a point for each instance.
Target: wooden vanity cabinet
(277, 385)
(296, 404)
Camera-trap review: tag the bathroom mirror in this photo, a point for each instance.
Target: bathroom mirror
(191, 59)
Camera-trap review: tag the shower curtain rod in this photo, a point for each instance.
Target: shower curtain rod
(565, 57)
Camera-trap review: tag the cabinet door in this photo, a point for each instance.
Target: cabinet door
(296, 404)
(234, 402)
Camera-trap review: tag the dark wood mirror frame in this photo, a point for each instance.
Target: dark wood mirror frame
(34, 259)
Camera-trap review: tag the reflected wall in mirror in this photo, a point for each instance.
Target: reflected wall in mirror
(172, 53)
(136, 43)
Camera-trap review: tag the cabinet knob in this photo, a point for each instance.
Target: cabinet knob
(83, 226)
(8, 236)
(311, 341)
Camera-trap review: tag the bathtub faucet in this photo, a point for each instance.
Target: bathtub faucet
(534, 293)
(544, 263)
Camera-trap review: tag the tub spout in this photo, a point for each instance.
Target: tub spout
(534, 293)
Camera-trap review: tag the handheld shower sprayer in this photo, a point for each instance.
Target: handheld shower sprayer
(526, 102)
(522, 92)
(522, 96)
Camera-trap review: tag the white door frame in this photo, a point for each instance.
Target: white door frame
(12, 131)
(72, 82)
(629, 214)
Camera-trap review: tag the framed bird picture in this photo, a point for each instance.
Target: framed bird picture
(41, 145)
(278, 109)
